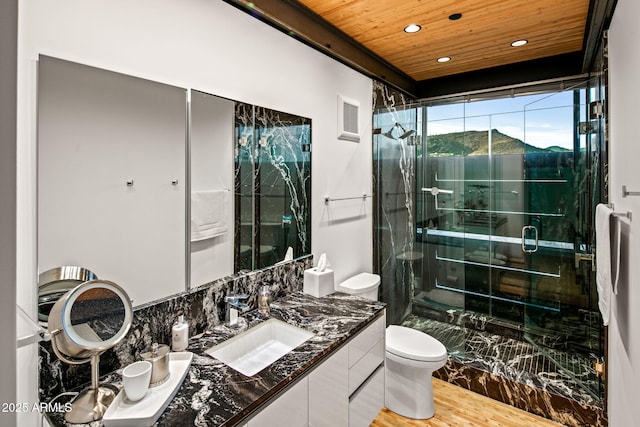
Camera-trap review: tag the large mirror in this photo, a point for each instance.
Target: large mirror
(269, 173)
(160, 188)
(111, 177)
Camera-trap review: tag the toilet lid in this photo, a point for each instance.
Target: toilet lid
(415, 345)
(360, 283)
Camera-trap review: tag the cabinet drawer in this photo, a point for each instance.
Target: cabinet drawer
(368, 363)
(368, 401)
(290, 409)
(365, 340)
(328, 392)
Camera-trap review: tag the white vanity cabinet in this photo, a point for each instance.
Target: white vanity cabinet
(345, 390)
(290, 409)
(329, 392)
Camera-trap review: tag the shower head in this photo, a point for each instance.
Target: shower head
(405, 133)
(389, 133)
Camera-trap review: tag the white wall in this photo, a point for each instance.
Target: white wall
(624, 327)
(210, 46)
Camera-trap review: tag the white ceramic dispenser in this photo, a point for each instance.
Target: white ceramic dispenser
(180, 334)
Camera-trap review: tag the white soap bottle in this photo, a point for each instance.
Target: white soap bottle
(180, 334)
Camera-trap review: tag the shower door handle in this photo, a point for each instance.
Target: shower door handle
(525, 248)
(435, 191)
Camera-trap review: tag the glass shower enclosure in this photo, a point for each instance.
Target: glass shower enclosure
(502, 198)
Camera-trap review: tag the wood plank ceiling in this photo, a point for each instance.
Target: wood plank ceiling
(481, 38)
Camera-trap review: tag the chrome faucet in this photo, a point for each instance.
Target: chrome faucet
(233, 307)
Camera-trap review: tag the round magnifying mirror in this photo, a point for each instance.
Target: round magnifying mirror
(89, 319)
(94, 316)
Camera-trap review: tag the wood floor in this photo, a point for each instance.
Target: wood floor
(457, 407)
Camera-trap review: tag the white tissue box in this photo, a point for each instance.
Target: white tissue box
(318, 283)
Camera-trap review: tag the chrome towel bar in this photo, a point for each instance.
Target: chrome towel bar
(328, 199)
(626, 192)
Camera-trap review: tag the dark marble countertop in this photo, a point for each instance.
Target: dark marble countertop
(214, 394)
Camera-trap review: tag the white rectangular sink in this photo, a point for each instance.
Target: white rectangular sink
(256, 348)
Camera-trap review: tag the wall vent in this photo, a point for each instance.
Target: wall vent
(348, 119)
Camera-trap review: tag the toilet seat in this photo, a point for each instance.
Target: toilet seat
(360, 284)
(414, 345)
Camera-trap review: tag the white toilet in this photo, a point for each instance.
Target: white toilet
(411, 357)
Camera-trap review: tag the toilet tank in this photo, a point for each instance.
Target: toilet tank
(364, 285)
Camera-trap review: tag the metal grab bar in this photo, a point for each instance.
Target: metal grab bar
(499, 267)
(525, 248)
(489, 211)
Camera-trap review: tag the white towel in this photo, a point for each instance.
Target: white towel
(606, 271)
(208, 210)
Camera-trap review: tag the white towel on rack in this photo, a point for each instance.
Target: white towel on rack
(607, 266)
(208, 210)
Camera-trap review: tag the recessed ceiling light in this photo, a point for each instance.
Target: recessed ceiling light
(519, 43)
(444, 59)
(455, 16)
(412, 28)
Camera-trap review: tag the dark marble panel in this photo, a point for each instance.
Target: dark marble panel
(515, 372)
(538, 401)
(203, 307)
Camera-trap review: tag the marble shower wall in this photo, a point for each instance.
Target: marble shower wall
(394, 187)
(203, 307)
(273, 185)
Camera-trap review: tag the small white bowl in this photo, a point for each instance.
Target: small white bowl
(135, 378)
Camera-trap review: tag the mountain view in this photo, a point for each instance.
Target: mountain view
(476, 143)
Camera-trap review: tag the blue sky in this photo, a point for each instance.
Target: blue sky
(541, 120)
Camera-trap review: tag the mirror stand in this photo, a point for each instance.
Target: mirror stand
(91, 403)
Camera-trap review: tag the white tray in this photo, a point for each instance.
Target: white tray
(145, 412)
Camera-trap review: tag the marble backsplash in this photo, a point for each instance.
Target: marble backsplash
(203, 307)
